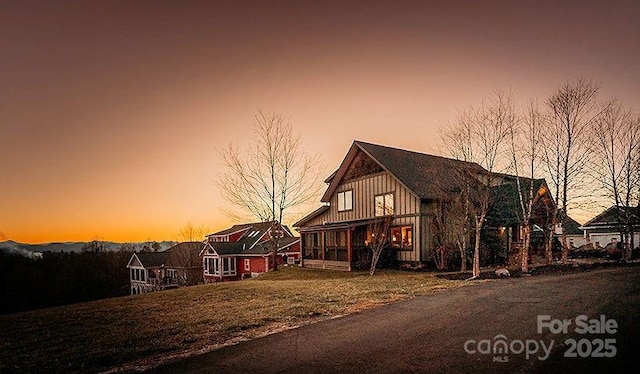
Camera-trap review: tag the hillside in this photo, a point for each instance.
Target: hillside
(141, 331)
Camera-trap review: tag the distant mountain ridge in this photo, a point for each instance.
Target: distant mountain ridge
(36, 250)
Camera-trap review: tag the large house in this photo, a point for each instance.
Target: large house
(606, 227)
(178, 266)
(379, 181)
(244, 250)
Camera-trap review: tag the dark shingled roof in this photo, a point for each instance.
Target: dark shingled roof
(572, 227)
(152, 259)
(609, 217)
(421, 173)
(225, 248)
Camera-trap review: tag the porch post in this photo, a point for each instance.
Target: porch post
(324, 249)
(349, 246)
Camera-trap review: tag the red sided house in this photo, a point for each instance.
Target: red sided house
(178, 266)
(243, 251)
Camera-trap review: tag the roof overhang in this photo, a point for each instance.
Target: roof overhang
(311, 216)
(347, 225)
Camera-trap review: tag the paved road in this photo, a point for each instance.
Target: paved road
(428, 333)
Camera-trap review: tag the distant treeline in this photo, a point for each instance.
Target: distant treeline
(61, 278)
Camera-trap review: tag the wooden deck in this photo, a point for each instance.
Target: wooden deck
(326, 264)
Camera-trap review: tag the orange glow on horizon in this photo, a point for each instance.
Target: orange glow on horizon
(113, 113)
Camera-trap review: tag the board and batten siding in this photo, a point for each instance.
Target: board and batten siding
(406, 207)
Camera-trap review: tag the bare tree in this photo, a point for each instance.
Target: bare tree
(274, 175)
(192, 233)
(378, 239)
(185, 260)
(452, 223)
(525, 145)
(573, 109)
(616, 151)
(480, 135)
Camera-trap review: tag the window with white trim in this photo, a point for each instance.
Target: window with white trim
(138, 274)
(228, 266)
(212, 266)
(247, 264)
(384, 205)
(345, 200)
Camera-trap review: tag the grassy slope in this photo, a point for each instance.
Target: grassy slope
(144, 329)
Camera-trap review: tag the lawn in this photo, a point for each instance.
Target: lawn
(135, 332)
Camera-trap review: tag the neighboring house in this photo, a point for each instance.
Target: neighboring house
(378, 181)
(178, 266)
(244, 250)
(606, 227)
(146, 273)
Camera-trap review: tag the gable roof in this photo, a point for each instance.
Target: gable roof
(420, 173)
(609, 217)
(152, 259)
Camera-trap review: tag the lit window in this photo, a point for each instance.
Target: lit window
(402, 237)
(345, 200)
(384, 205)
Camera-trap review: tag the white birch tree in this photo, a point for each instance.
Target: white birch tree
(616, 150)
(480, 135)
(572, 111)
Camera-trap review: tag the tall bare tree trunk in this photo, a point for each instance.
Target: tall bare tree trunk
(463, 254)
(476, 250)
(548, 250)
(524, 251)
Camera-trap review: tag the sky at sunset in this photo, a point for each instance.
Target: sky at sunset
(113, 112)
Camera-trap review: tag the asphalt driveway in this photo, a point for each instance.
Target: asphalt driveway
(504, 326)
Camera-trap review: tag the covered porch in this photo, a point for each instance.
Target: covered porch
(336, 247)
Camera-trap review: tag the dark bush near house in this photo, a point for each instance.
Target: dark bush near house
(362, 258)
